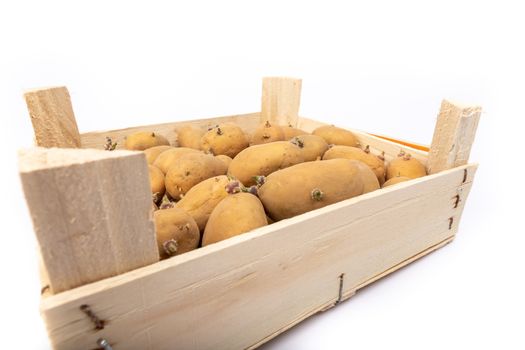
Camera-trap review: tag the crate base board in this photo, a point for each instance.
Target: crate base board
(347, 295)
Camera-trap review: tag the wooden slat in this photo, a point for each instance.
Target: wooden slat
(248, 122)
(348, 294)
(377, 144)
(414, 145)
(92, 220)
(237, 292)
(97, 139)
(52, 117)
(280, 101)
(453, 136)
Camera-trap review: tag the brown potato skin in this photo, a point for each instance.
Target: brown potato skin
(288, 192)
(236, 214)
(189, 170)
(141, 140)
(156, 179)
(189, 136)
(176, 224)
(336, 136)
(312, 146)
(227, 139)
(225, 160)
(264, 160)
(396, 180)
(405, 166)
(291, 132)
(370, 181)
(376, 164)
(166, 159)
(202, 198)
(266, 133)
(153, 152)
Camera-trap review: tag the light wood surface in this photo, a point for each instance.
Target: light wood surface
(281, 97)
(347, 295)
(453, 136)
(97, 139)
(52, 117)
(238, 292)
(92, 220)
(377, 144)
(248, 122)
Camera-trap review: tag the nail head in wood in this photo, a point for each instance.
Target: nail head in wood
(104, 344)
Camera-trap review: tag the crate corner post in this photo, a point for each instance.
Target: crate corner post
(454, 134)
(52, 117)
(281, 97)
(90, 219)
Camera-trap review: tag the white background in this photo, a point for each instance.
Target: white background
(380, 67)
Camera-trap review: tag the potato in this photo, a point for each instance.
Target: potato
(141, 140)
(227, 139)
(176, 232)
(156, 179)
(264, 160)
(153, 152)
(374, 162)
(189, 136)
(236, 214)
(190, 169)
(311, 185)
(290, 132)
(202, 198)
(225, 160)
(370, 181)
(267, 133)
(406, 166)
(336, 136)
(312, 146)
(395, 180)
(168, 157)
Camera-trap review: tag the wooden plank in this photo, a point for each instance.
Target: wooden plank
(52, 117)
(377, 144)
(280, 101)
(418, 146)
(347, 295)
(248, 122)
(97, 139)
(91, 218)
(453, 136)
(216, 297)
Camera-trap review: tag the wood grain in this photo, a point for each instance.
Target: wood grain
(248, 122)
(97, 139)
(453, 136)
(263, 281)
(92, 220)
(280, 100)
(377, 144)
(52, 117)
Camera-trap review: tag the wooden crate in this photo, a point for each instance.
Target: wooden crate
(238, 293)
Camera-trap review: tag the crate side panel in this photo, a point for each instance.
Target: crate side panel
(242, 290)
(377, 144)
(97, 139)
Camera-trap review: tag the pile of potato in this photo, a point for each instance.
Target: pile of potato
(222, 182)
